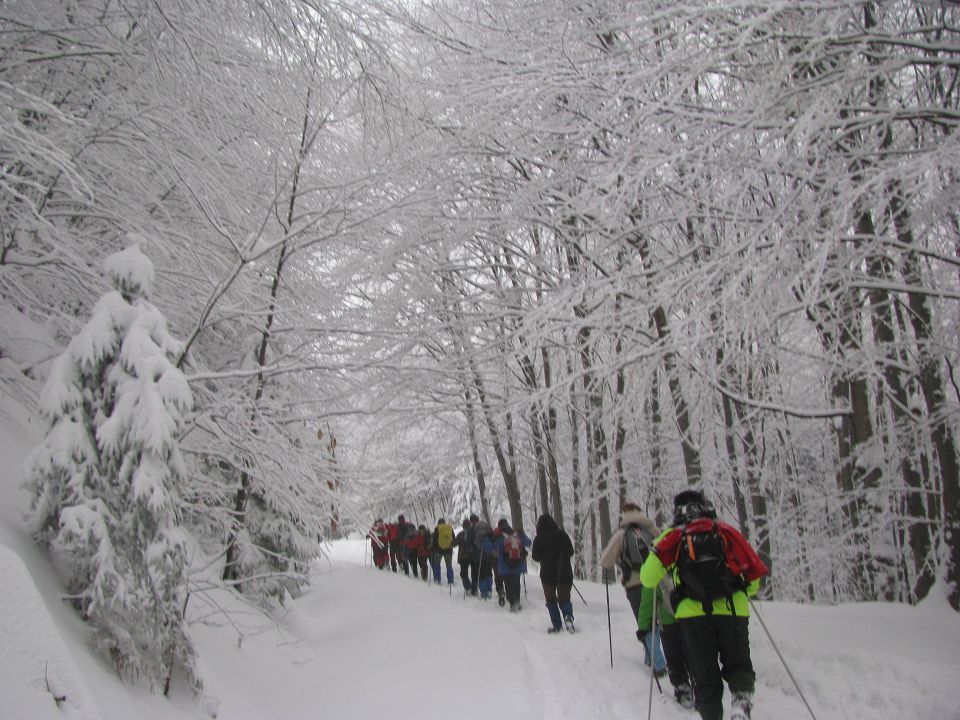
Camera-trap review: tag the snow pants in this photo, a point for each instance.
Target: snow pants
(717, 648)
(447, 556)
(512, 587)
(424, 562)
(672, 640)
(485, 575)
(558, 603)
(466, 564)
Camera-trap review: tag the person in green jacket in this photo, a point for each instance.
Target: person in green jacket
(641, 603)
(714, 623)
(670, 637)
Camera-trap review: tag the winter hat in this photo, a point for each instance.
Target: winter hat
(400, 519)
(441, 521)
(503, 525)
(690, 505)
(474, 518)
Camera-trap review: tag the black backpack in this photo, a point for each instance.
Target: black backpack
(702, 568)
(634, 548)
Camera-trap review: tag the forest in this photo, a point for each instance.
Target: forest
(486, 256)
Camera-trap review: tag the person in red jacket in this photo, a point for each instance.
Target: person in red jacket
(398, 545)
(379, 540)
(421, 546)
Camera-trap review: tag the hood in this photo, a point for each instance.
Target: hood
(635, 516)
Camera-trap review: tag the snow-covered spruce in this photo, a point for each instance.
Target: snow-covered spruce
(106, 479)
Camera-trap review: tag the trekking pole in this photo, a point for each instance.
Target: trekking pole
(524, 576)
(786, 667)
(609, 627)
(653, 655)
(578, 591)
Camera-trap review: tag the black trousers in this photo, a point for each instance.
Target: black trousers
(512, 587)
(717, 648)
(671, 638)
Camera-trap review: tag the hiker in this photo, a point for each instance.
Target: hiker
(421, 546)
(715, 570)
(442, 548)
(484, 560)
(464, 544)
(379, 540)
(552, 549)
(510, 549)
(411, 543)
(616, 554)
(406, 532)
(397, 532)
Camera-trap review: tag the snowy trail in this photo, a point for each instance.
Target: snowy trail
(477, 659)
(421, 646)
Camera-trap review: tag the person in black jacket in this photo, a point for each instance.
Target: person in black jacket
(465, 551)
(552, 549)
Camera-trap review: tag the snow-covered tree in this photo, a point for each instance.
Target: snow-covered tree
(106, 479)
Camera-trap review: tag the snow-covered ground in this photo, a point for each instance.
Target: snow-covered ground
(369, 644)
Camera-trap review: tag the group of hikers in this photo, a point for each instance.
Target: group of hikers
(489, 558)
(688, 586)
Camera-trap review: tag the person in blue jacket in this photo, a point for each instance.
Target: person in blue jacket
(510, 548)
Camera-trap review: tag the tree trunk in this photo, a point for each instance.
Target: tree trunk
(932, 386)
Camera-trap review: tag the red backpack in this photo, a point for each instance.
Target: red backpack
(513, 550)
(713, 560)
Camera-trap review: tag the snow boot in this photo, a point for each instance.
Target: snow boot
(555, 618)
(553, 630)
(742, 704)
(684, 695)
(567, 610)
(502, 600)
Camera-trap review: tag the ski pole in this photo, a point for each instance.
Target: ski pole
(609, 627)
(578, 591)
(780, 655)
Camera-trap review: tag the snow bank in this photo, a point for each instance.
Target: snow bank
(35, 659)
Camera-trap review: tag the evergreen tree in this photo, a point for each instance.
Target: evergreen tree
(106, 479)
